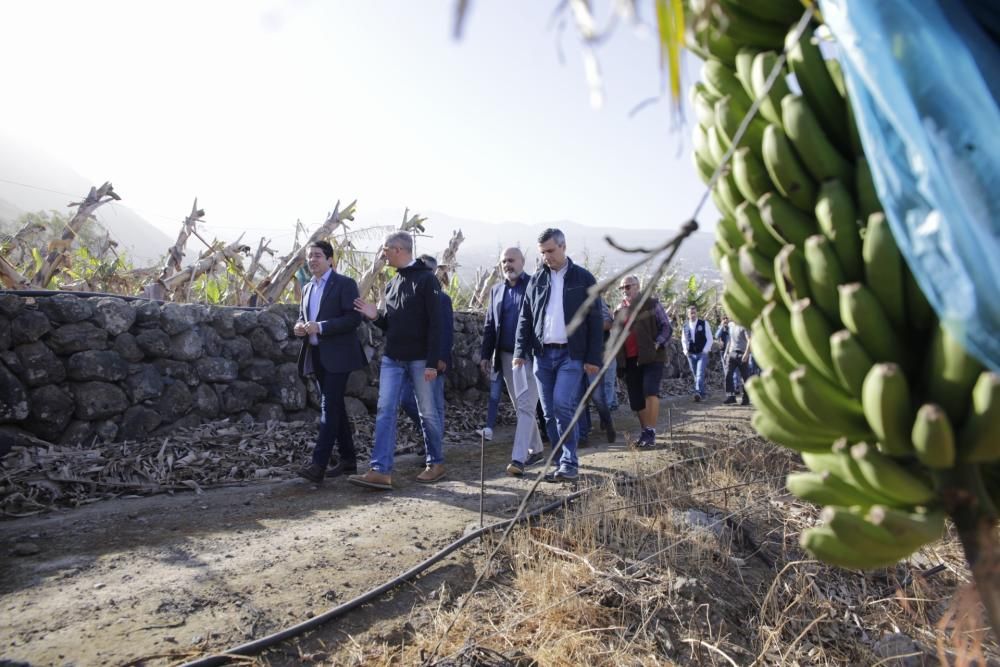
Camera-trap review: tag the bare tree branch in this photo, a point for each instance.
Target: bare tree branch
(274, 285)
(57, 256)
(368, 280)
(449, 258)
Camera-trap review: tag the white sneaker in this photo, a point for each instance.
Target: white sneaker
(486, 432)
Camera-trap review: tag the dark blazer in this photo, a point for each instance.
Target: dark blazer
(339, 347)
(587, 342)
(491, 327)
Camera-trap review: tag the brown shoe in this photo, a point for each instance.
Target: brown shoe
(372, 480)
(431, 473)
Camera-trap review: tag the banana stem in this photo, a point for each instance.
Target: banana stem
(970, 507)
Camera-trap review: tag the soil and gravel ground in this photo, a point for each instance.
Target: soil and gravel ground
(162, 579)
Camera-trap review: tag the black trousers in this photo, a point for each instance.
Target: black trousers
(736, 363)
(334, 426)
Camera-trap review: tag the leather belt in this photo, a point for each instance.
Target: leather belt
(555, 346)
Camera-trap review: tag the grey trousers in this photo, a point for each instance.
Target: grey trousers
(527, 439)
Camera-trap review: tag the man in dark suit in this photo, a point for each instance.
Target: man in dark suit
(330, 351)
(499, 333)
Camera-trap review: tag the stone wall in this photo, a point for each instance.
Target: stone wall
(75, 368)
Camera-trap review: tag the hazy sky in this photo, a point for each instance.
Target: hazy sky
(271, 110)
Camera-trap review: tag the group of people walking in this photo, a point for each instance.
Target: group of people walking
(527, 340)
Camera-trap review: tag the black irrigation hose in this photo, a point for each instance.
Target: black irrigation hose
(258, 645)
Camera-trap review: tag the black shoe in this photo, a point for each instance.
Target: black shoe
(746, 400)
(730, 399)
(609, 430)
(697, 398)
(532, 459)
(342, 468)
(552, 476)
(313, 472)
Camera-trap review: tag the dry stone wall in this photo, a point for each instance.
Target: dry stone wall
(74, 368)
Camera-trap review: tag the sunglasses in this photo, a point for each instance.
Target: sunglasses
(626, 287)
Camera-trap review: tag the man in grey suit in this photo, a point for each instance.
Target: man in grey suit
(330, 351)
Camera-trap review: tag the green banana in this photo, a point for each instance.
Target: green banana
(885, 396)
(751, 177)
(786, 223)
(827, 405)
(811, 332)
(826, 545)
(884, 269)
(838, 461)
(979, 440)
(770, 105)
(786, 170)
(729, 114)
(864, 185)
(739, 285)
(782, 12)
(720, 79)
(825, 275)
(950, 374)
(933, 437)
(717, 250)
(703, 101)
(739, 312)
(726, 186)
(775, 432)
(825, 488)
(818, 87)
(777, 322)
(765, 350)
(890, 477)
(744, 63)
(837, 218)
(791, 275)
(756, 266)
(753, 230)
(837, 77)
(850, 361)
(820, 156)
(729, 233)
(716, 149)
(703, 165)
(912, 529)
(699, 139)
(777, 388)
(747, 30)
(710, 42)
(857, 148)
(919, 314)
(861, 535)
(863, 316)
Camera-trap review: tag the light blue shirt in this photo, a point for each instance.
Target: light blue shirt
(315, 296)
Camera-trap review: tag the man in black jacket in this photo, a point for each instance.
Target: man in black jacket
(551, 299)
(330, 351)
(412, 328)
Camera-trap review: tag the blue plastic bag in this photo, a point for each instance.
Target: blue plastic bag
(924, 80)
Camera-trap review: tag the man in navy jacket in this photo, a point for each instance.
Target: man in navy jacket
(330, 351)
(499, 336)
(553, 296)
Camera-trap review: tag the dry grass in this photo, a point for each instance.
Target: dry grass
(696, 565)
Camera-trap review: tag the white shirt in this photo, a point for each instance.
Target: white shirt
(315, 296)
(554, 326)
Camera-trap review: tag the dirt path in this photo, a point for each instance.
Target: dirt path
(184, 575)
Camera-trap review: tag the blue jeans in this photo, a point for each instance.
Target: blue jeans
(496, 390)
(391, 380)
(558, 378)
(698, 364)
(408, 401)
(585, 424)
(611, 386)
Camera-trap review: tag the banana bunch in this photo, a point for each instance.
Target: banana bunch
(885, 407)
